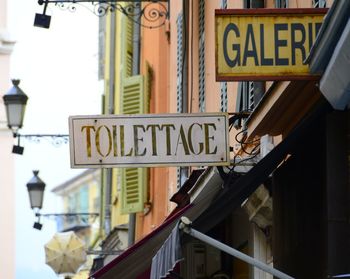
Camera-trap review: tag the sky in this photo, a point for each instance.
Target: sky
(58, 72)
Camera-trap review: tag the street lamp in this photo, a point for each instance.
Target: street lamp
(15, 101)
(36, 188)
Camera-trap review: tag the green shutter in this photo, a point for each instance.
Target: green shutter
(133, 194)
(127, 46)
(132, 97)
(148, 88)
(134, 180)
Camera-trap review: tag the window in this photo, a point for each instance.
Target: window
(245, 99)
(319, 3)
(84, 199)
(281, 3)
(223, 4)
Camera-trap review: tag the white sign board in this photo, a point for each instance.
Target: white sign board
(103, 141)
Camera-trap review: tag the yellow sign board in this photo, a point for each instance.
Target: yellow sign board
(265, 44)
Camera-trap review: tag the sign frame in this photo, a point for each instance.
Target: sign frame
(263, 12)
(212, 138)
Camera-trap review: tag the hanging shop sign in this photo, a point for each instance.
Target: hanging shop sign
(265, 44)
(149, 140)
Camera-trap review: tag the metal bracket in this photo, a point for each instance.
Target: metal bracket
(185, 226)
(154, 12)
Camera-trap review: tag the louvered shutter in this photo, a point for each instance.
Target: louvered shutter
(250, 93)
(223, 96)
(179, 62)
(148, 88)
(133, 194)
(179, 68)
(134, 180)
(132, 97)
(223, 85)
(201, 57)
(127, 46)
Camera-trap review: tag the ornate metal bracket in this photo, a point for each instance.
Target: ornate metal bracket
(83, 218)
(56, 140)
(153, 12)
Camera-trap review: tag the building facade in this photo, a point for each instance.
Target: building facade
(80, 197)
(284, 200)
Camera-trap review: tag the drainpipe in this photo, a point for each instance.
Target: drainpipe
(135, 71)
(111, 91)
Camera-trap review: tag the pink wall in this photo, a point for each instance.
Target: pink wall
(7, 184)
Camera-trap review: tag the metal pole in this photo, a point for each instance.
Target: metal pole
(185, 226)
(111, 101)
(135, 71)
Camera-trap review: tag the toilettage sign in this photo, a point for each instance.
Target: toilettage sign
(100, 141)
(265, 44)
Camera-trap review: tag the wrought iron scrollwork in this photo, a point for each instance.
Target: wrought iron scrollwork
(148, 13)
(55, 140)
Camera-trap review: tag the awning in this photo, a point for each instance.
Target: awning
(137, 259)
(236, 190)
(210, 204)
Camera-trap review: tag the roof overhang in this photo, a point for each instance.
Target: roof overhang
(282, 107)
(330, 55)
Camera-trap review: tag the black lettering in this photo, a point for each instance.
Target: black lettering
(154, 137)
(311, 37)
(137, 139)
(280, 43)
(297, 27)
(97, 140)
(250, 53)
(182, 140)
(168, 136)
(264, 61)
(190, 142)
(235, 47)
(208, 138)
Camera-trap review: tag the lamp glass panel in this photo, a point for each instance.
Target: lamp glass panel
(36, 198)
(15, 114)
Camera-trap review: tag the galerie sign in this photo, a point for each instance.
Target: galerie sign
(265, 44)
(148, 140)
